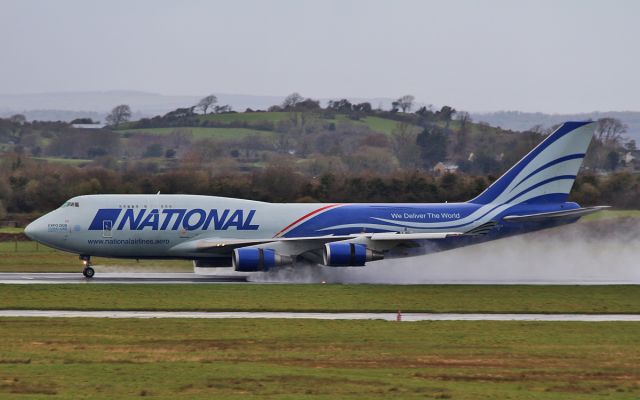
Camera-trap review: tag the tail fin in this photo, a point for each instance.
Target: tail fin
(547, 173)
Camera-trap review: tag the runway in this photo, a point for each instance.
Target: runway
(120, 278)
(408, 317)
(191, 278)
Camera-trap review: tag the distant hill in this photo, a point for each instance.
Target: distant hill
(66, 106)
(520, 121)
(60, 115)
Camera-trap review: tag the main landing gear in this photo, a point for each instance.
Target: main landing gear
(88, 271)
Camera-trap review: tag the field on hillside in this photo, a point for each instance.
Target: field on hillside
(284, 359)
(246, 117)
(205, 133)
(62, 160)
(373, 123)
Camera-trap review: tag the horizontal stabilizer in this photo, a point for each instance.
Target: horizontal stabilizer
(578, 212)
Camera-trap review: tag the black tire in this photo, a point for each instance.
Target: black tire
(88, 272)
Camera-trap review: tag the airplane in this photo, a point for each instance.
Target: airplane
(251, 236)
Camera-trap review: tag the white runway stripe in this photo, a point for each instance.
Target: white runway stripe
(325, 316)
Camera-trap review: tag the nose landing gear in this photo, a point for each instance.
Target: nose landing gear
(88, 271)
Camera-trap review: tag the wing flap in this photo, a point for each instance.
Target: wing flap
(211, 244)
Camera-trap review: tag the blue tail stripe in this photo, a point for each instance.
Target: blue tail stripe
(550, 164)
(555, 178)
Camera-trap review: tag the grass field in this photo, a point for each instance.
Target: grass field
(10, 229)
(285, 359)
(376, 124)
(60, 160)
(205, 133)
(337, 298)
(246, 117)
(609, 214)
(383, 125)
(28, 256)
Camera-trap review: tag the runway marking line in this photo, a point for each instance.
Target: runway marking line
(406, 317)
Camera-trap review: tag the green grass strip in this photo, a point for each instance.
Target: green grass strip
(284, 359)
(334, 298)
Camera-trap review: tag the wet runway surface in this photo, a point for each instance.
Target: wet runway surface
(191, 278)
(408, 317)
(111, 277)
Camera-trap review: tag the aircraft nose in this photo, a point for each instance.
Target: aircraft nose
(35, 229)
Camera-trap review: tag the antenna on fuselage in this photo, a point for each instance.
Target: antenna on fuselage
(158, 192)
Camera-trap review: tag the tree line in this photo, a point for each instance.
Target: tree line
(30, 186)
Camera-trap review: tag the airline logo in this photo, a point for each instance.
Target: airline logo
(173, 219)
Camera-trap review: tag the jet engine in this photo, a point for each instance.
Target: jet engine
(348, 255)
(258, 259)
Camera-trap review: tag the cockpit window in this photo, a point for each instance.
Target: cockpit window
(71, 204)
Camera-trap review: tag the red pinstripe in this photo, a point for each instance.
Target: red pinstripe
(305, 217)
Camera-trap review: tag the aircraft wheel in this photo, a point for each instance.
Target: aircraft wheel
(88, 272)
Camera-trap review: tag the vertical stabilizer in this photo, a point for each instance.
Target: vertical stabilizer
(547, 173)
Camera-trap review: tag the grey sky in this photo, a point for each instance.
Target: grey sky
(551, 56)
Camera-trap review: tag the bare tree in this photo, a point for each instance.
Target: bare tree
(537, 128)
(18, 119)
(3, 210)
(206, 102)
(405, 102)
(610, 130)
(403, 143)
(464, 118)
(222, 109)
(446, 113)
(118, 115)
(292, 100)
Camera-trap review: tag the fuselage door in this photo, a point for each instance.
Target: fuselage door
(107, 226)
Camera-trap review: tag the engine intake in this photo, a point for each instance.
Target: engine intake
(257, 259)
(349, 255)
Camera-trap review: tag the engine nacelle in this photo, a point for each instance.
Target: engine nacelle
(348, 255)
(257, 259)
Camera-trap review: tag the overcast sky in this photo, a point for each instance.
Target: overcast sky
(550, 56)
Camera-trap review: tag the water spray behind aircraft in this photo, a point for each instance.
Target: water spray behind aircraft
(590, 252)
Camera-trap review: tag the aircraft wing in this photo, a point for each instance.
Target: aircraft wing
(298, 245)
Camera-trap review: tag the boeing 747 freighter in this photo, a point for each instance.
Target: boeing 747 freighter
(256, 236)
